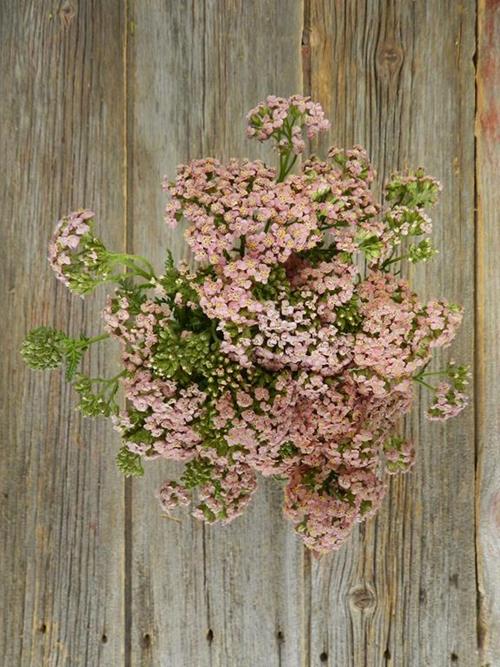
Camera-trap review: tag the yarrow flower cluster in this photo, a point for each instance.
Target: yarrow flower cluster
(276, 354)
(285, 120)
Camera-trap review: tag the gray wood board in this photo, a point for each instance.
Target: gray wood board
(488, 329)
(101, 99)
(61, 532)
(201, 595)
(398, 78)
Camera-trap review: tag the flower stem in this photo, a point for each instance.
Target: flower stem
(424, 384)
(388, 262)
(433, 373)
(115, 378)
(213, 331)
(95, 339)
(282, 171)
(131, 262)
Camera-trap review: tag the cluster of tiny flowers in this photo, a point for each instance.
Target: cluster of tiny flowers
(450, 398)
(277, 355)
(284, 119)
(74, 253)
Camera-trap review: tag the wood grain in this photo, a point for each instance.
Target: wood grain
(61, 532)
(100, 100)
(398, 77)
(207, 596)
(487, 328)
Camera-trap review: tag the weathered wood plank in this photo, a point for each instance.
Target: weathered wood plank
(487, 327)
(61, 559)
(398, 78)
(207, 596)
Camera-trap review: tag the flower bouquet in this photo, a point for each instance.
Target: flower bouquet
(291, 349)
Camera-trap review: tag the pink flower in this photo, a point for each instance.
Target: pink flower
(291, 350)
(448, 402)
(268, 119)
(66, 239)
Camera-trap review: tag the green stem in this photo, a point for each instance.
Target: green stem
(393, 261)
(424, 384)
(292, 163)
(95, 339)
(130, 264)
(284, 166)
(131, 261)
(115, 378)
(147, 263)
(213, 331)
(422, 375)
(388, 259)
(282, 171)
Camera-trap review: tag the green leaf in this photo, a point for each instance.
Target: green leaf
(129, 463)
(141, 436)
(73, 354)
(196, 473)
(370, 244)
(288, 450)
(95, 403)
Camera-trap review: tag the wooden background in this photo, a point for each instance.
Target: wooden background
(101, 98)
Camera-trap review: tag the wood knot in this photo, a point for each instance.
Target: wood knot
(67, 13)
(389, 58)
(362, 597)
